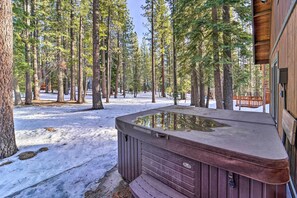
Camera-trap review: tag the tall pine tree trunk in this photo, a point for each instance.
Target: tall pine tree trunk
(34, 53)
(7, 138)
(201, 78)
(163, 68)
(97, 102)
(228, 84)
(124, 79)
(103, 81)
(17, 93)
(72, 72)
(153, 56)
(108, 57)
(59, 57)
(175, 94)
(80, 65)
(216, 59)
(118, 69)
(28, 95)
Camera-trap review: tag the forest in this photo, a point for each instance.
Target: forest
(201, 47)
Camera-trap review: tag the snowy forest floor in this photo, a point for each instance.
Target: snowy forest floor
(82, 145)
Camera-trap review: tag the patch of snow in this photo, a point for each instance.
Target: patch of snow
(82, 148)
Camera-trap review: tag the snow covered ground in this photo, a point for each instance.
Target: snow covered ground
(82, 148)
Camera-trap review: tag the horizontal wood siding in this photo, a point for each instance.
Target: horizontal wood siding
(201, 180)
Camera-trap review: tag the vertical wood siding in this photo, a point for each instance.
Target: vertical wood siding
(129, 160)
(287, 50)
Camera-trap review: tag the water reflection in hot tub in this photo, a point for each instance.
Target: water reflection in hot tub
(178, 122)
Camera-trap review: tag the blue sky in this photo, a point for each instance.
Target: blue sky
(138, 20)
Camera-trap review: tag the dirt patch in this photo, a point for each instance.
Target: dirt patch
(50, 129)
(110, 186)
(50, 103)
(30, 154)
(5, 163)
(43, 149)
(27, 155)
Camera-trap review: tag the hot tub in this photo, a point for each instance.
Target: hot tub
(200, 152)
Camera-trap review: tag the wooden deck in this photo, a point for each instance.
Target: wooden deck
(250, 101)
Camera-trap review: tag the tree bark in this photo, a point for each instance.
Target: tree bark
(163, 75)
(97, 102)
(208, 96)
(108, 57)
(201, 79)
(72, 72)
(7, 137)
(228, 81)
(175, 94)
(103, 57)
(59, 57)
(124, 79)
(80, 65)
(196, 88)
(17, 93)
(34, 53)
(201, 86)
(153, 56)
(28, 97)
(216, 59)
(118, 69)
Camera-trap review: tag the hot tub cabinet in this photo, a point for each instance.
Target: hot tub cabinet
(195, 152)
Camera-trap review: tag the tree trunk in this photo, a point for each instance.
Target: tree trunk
(17, 93)
(201, 79)
(163, 75)
(34, 53)
(201, 86)
(7, 137)
(228, 84)
(196, 88)
(72, 72)
(108, 57)
(208, 96)
(175, 94)
(192, 90)
(28, 86)
(47, 84)
(118, 69)
(216, 59)
(28, 97)
(153, 56)
(85, 87)
(103, 57)
(80, 65)
(124, 80)
(97, 102)
(59, 57)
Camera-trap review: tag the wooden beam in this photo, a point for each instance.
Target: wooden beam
(266, 12)
(266, 42)
(264, 61)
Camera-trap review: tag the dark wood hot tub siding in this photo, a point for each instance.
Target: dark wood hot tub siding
(201, 180)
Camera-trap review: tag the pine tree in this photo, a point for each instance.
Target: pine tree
(7, 138)
(97, 102)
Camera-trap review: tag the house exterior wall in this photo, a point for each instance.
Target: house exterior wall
(284, 48)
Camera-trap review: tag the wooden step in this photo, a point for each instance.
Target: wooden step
(146, 186)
